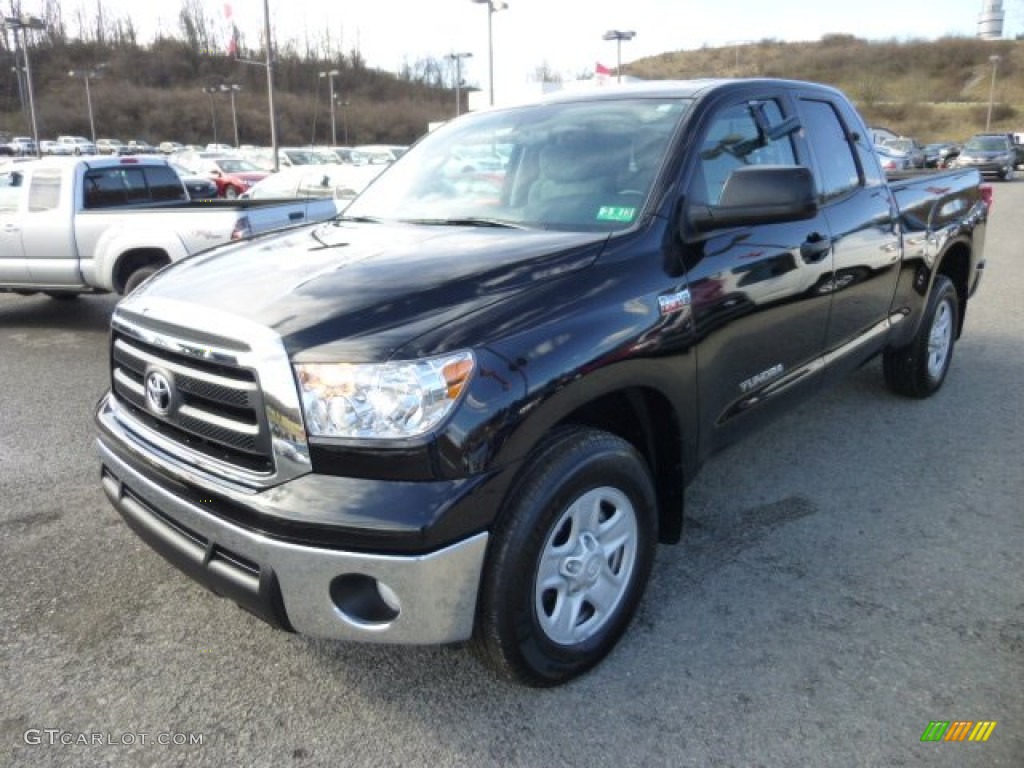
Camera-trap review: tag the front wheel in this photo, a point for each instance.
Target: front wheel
(920, 368)
(231, 193)
(569, 559)
(138, 277)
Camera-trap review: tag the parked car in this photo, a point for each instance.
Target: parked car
(991, 154)
(170, 147)
(446, 417)
(909, 147)
(23, 145)
(140, 147)
(382, 153)
(940, 154)
(232, 175)
(79, 145)
(892, 161)
(199, 187)
(339, 181)
(111, 147)
(76, 225)
(50, 147)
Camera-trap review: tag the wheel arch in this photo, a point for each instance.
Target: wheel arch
(645, 418)
(134, 259)
(956, 265)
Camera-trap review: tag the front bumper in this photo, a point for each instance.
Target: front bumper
(423, 598)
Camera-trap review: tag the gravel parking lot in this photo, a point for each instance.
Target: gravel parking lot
(846, 577)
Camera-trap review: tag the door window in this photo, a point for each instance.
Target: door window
(733, 141)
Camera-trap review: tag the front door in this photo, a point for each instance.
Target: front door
(758, 311)
(13, 267)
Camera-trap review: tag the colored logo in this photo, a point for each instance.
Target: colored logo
(958, 730)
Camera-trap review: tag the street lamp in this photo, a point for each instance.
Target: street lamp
(343, 103)
(23, 24)
(457, 58)
(330, 80)
(995, 59)
(618, 36)
(231, 89)
(210, 90)
(492, 6)
(87, 75)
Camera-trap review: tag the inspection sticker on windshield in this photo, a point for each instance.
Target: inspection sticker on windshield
(615, 213)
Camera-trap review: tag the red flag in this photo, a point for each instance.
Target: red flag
(601, 69)
(227, 10)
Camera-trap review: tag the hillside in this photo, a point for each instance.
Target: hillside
(156, 92)
(931, 90)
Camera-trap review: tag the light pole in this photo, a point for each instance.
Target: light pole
(210, 90)
(344, 117)
(457, 58)
(231, 89)
(330, 75)
(23, 23)
(270, 83)
(618, 36)
(995, 59)
(87, 75)
(492, 6)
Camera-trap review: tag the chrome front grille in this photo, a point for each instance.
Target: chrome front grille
(230, 409)
(217, 409)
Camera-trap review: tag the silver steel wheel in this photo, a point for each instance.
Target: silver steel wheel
(586, 566)
(940, 340)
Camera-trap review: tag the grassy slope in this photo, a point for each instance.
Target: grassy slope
(930, 90)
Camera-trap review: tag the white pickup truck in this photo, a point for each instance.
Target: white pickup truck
(70, 225)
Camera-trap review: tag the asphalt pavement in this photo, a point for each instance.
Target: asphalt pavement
(847, 577)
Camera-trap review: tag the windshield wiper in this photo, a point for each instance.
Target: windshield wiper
(466, 221)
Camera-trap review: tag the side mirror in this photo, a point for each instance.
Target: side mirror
(759, 194)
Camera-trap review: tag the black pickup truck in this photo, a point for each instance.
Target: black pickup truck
(468, 408)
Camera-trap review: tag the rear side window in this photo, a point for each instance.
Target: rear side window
(44, 190)
(164, 184)
(836, 169)
(110, 187)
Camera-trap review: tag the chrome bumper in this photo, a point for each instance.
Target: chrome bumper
(424, 599)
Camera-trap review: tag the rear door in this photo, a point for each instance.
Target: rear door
(759, 314)
(48, 233)
(862, 217)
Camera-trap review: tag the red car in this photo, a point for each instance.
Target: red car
(232, 175)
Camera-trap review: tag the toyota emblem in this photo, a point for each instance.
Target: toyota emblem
(158, 392)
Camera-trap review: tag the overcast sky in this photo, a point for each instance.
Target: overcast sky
(565, 34)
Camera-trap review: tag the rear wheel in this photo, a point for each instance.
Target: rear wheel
(231, 193)
(920, 368)
(569, 560)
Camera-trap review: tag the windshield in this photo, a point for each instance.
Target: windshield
(988, 144)
(584, 166)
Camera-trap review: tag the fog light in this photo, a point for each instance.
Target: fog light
(363, 600)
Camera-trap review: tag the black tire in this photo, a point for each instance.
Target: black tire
(136, 278)
(604, 555)
(63, 295)
(920, 368)
(231, 193)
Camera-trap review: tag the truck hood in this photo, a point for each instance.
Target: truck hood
(358, 291)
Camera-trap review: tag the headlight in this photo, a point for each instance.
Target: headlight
(389, 400)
